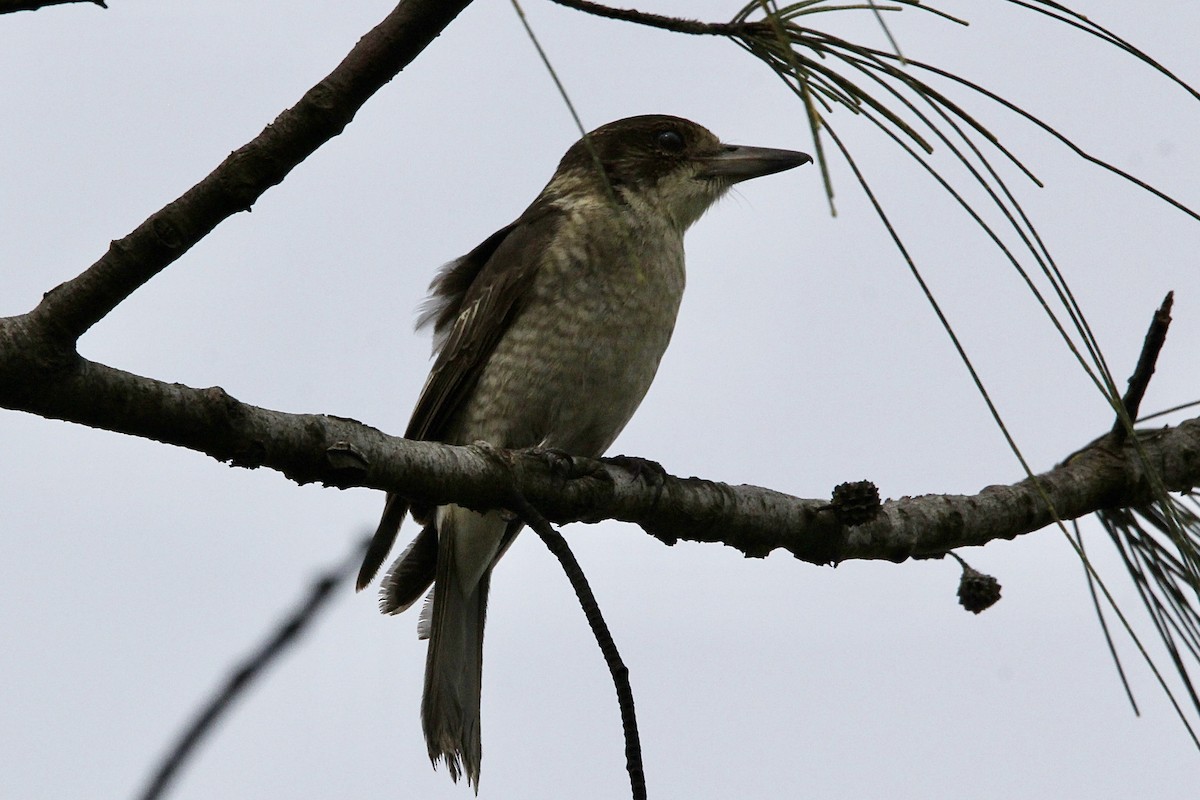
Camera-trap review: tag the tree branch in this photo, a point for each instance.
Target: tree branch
(40, 372)
(558, 546)
(247, 671)
(344, 453)
(1156, 337)
(322, 113)
(9, 6)
(660, 21)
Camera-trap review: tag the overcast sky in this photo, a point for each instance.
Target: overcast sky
(134, 574)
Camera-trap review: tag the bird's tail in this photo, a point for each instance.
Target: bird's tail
(467, 545)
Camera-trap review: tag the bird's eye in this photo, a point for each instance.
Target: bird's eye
(670, 141)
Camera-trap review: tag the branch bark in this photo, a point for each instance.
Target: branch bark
(9, 6)
(38, 378)
(322, 113)
(41, 373)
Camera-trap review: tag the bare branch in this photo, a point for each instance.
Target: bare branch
(674, 24)
(322, 113)
(245, 673)
(1156, 337)
(9, 6)
(342, 452)
(558, 546)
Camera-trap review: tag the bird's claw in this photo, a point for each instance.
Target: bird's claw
(643, 470)
(560, 463)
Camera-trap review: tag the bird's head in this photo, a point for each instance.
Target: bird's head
(666, 164)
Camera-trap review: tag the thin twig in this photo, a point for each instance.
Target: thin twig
(557, 545)
(676, 24)
(251, 669)
(1156, 337)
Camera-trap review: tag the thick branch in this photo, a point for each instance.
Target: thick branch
(323, 112)
(342, 452)
(9, 6)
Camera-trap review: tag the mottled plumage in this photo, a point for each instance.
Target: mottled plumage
(547, 334)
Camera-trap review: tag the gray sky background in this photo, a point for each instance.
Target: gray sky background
(133, 574)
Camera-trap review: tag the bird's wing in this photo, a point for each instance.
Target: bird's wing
(473, 301)
(394, 512)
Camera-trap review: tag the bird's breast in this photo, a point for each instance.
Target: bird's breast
(579, 357)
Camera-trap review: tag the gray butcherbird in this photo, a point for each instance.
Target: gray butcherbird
(548, 334)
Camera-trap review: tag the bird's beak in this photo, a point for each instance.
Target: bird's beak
(737, 162)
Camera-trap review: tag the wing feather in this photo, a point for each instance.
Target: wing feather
(472, 302)
(470, 320)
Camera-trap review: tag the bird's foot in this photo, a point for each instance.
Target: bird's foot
(560, 463)
(643, 470)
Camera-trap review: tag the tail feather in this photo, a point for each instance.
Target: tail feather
(410, 575)
(453, 678)
(467, 546)
(425, 618)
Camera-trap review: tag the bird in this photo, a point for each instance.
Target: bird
(546, 335)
